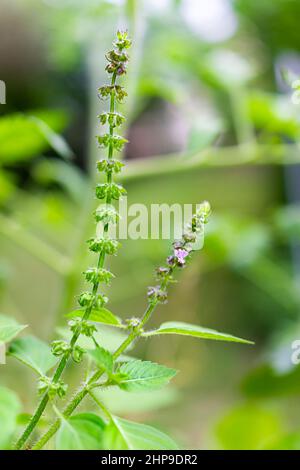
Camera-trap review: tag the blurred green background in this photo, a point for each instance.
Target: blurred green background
(210, 117)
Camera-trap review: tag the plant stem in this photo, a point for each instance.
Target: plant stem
(100, 404)
(84, 390)
(63, 362)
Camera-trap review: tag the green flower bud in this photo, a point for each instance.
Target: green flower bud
(106, 215)
(117, 142)
(156, 294)
(113, 119)
(86, 299)
(45, 384)
(109, 191)
(109, 90)
(77, 354)
(60, 347)
(110, 166)
(85, 327)
(110, 247)
(96, 275)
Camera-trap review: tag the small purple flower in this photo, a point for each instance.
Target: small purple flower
(181, 254)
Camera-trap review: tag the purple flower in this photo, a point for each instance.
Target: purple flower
(181, 254)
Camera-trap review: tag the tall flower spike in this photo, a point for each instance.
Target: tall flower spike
(108, 191)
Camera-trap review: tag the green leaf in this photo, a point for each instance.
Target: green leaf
(9, 409)
(121, 434)
(248, 427)
(109, 338)
(203, 133)
(21, 137)
(186, 329)
(102, 357)
(34, 353)
(101, 315)
(58, 143)
(266, 382)
(119, 401)
(9, 328)
(83, 431)
(144, 375)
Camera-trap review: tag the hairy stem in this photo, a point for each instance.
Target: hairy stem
(84, 390)
(63, 362)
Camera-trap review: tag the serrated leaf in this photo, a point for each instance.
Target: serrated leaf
(102, 357)
(34, 353)
(9, 409)
(83, 431)
(121, 434)
(101, 315)
(9, 328)
(144, 375)
(186, 329)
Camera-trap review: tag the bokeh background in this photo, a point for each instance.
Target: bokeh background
(210, 117)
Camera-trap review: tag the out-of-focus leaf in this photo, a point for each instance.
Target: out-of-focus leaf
(9, 409)
(83, 431)
(56, 141)
(290, 441)
(186, 329)
(272, 115)
(121, 434)
(101, 315)
(7, 187)
(62, 173)
(119, 401)
(229, 68)
(202, 134)
(156, 87)
(102, 357)
(34, 353)
(248, 427)
(107, 338)
(21, 137)
(9, 328)
(265, 382)
(287, 221)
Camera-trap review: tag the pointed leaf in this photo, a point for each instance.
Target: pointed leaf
(186, 329)
(9, 409)
(55, 140)
(103, 358)
(101, 315)
(9, 328)
(81, 432)
(34, 353)
(121, 434)
(21, 137)
(144, 375)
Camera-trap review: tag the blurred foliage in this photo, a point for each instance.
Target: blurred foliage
(218, 109)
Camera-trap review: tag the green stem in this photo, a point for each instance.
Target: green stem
(63, 362)
(85, 388)
(80, 395)
(100, 404)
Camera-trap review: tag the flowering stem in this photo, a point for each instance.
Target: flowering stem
(156, 296)
(101, 259)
